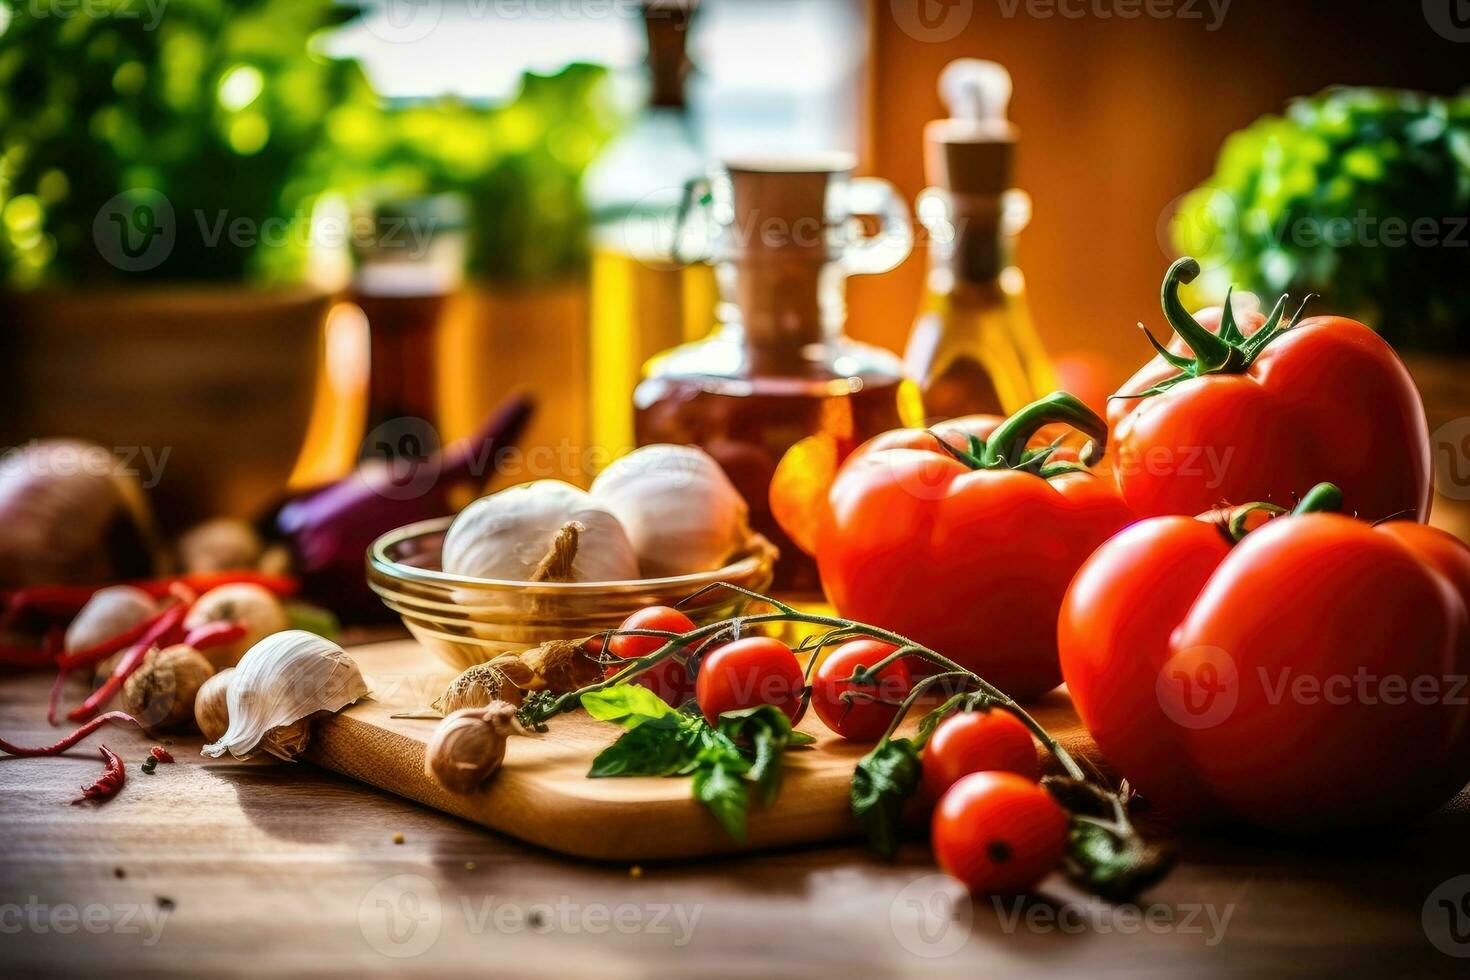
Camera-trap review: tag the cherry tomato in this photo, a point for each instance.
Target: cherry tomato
(998, 833)
(978, 741)
(861, 719)
(669, 679)
(749, 672)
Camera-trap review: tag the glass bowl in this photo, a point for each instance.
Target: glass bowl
(467, 621)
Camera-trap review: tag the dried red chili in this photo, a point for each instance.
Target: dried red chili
(106, 786)
(65, 601)
(161, 754)
(215, 634)
(59, 747)
(166, 630)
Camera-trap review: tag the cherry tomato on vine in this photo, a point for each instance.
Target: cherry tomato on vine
(998, 833)
(753, 671)
(978, 741)
(669, 679)
(862, 719)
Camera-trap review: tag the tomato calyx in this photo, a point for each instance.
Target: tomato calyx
(1226, 352)
(1007, 449)
(1324, 498)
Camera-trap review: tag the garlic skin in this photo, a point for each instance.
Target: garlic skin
(254, 606)
(506, 535)
(285, 678)
(681, 512)
(469, 745)
(109, 612)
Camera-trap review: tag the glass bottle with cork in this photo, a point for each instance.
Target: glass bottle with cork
(784, 236)
(973, 348)
(643, 302)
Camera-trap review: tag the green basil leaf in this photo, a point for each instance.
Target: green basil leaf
(648, 750)
(800, 738)
(629, 705)
(724, 792)
(884, 779)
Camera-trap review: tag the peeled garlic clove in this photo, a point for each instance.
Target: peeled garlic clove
(507, 535)
(109, 612)
(284, 679)
(681, 512)
(253, 606)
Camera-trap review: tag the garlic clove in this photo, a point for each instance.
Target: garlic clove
(211, 709)
(680, 511)
(468, 746)
(507, 535)
(109, 612)
(284, 679)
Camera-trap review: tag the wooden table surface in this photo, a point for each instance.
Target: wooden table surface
(282, 868)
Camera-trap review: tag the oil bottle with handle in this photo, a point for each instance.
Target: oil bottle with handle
(784, 235)
(973, 348)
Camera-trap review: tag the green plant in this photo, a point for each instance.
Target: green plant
(217, 123)
(1360, 195)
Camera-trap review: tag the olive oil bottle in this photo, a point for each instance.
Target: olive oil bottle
(973, 348)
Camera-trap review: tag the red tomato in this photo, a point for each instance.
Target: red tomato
(1273, 427)
(969, 560)
(978, 741)
(861, 720)
(1262, 681)
(668, 679)
(998, 833)
(749, 672)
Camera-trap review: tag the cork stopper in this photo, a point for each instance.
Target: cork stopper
(667, 24)
(972, 152)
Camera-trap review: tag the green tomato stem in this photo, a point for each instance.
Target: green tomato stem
(1007, 444)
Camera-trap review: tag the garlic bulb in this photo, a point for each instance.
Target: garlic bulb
(253, 606)
(680, 510)
(507, 535)
(109, 612)
(284, 679)
(220, 545)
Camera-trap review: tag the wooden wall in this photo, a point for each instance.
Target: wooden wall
(1118, 117)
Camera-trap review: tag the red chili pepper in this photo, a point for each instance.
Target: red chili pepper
(101, 651)
(70, 740)
(161, 754)
(215, 634)
(65, 601)
(112, 779)
(163, 633)
(18, 656)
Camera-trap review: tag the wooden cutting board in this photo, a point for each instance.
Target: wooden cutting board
(542, 793)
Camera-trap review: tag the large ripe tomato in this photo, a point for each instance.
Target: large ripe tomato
(868, 709)
(998, 833)
(1310, 676)
(977, 741)
(669, 679)
(969, 556)
(753, 671)
(1252, 411)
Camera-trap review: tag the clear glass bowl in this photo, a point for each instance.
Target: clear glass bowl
(466, 621)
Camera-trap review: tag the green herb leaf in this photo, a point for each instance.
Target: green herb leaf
(884, 779)
(719, 787)
(649, 750)
(767, 730)
(1114, 865)
(629, 705)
